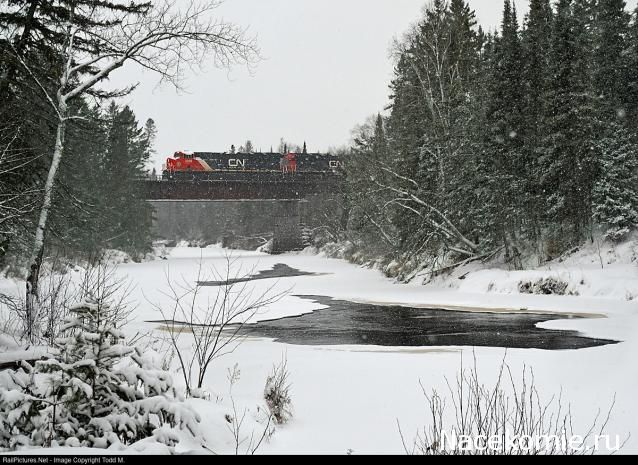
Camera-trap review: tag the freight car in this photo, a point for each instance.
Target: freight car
(208, 165)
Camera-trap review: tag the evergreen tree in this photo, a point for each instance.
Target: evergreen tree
(78, 220)
(369, 221)
(512, 138)
(536, 80)
(570, 158)
(505, 169)
(464, 45)
(616, 191)
(611, 34)
(536, 44)
(434, 100)
(24, 118)
(632, 76)
(33, 33)
(150, 137)
(128, 219)
(379, 141)
(83, 396)
(509, 92)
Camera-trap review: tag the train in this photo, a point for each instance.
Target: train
(185, 165)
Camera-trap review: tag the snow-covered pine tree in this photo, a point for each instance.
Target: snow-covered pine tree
(516, 155)
(87, 394)
(610, 37)
(128, 223)
(433, 100)
(632, 77)
(369, 220)
(379, 141)
(24, 118)
(150, 137)
(503, 168)
(536, 45)
(77, 221)
(569, 162)
(616, 192)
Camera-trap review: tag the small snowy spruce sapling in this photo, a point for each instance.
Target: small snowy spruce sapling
(94, 392)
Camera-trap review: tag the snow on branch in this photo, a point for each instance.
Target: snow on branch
(102, 37)
(436, 218)
(165, 40)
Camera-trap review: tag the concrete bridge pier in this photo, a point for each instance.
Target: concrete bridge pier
(231, 222)
(287, 233)
(244, 209)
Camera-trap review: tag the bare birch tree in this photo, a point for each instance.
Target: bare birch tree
(164, 38)
(441, 59)
(403, 189)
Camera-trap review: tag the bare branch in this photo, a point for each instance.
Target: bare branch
(217, 324)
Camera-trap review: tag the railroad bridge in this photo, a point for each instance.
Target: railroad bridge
(244, 210)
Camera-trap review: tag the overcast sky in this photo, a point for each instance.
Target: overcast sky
(325, 69)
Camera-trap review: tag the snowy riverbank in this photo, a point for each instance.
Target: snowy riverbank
(349, 398)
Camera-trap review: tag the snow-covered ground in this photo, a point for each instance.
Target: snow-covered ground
(349, 399)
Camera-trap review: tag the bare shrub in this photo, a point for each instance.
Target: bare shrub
(54, 303)
(10, 322)
(216, 324)
(16, 322)
(277, 393)
(247, 444)
(508, 418)
(56, 295)
(545, 286)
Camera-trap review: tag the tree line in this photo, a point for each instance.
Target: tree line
(284, 147)
(57, 58)
(521, 141)
(96, 204)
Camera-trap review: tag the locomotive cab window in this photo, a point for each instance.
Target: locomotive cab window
(184, 156)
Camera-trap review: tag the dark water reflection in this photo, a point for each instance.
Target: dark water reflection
(278, 271)
(349, 323)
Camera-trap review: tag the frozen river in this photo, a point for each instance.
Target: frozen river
(357, 354)
(350, 323)
(342, 322)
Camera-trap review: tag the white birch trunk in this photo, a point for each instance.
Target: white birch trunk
(32, 301)
(160, 40)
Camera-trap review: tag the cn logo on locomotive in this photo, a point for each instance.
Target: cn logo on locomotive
(236, 163)
(335, 165)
